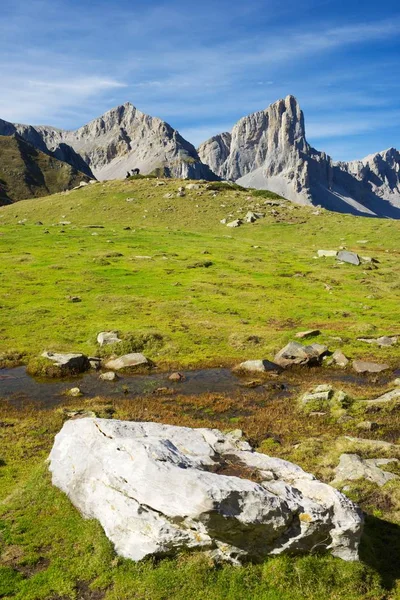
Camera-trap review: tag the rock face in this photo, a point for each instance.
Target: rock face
(121, 140)
(157, 489)
(269, 150)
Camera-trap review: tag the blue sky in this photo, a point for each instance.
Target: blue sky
(203, 65)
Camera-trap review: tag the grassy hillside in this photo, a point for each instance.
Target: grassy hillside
(142, 262)
(26, 172)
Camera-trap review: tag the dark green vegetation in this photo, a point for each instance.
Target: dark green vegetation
(144, 263)
(188, 291)
(26, 172)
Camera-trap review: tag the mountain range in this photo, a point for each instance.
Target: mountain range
(265, 150)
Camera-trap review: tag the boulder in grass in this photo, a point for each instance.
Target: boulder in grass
(68, 362)
(128, 361)
(106, 338)
(363, 366)
(257, 366)
(159, 489)
(295, 353)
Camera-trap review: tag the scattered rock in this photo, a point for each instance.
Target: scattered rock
(128, 361)
(223, 221)
(327, 253)
(193, 186)
(306, 334)
(352, 467)
(251, 217)
(367, 426)
(105, 338)
(108, 376)
(257, 366)
(176, 377)
(74, 299)
(387, 398)
(339, 359)
(323, 398)
(348, 257)
(362, 366)
(235, 223)
(295, 353)
(158, 489)
(160, 183)
(385, 340)
(94, 362)
(74, 392)
(73, 363)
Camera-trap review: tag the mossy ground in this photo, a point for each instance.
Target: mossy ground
(263, 285)
(214, 294)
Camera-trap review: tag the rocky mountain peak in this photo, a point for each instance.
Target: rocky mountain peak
(268, 150)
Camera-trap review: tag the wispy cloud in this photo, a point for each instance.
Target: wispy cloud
(63, 62)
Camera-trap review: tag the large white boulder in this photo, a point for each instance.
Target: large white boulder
(157, 489)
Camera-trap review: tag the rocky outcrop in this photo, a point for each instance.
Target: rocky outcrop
(269, 150)
(121, 140)
(157, 489)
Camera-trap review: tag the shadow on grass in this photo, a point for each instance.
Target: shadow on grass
(380, 549)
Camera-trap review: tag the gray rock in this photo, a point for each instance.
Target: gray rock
(108, 376)
(68, 362)
(384, 340)
(257, 366)
(362, 366)
(339, 359)
(295, 353)
(327, 253)
(235, 223)
(306, 334)
(105, 338)
(155, 490)
(367, 426)
(251, 217)
(352, 467)
(128, 361)
(348, 257)
(389, 397)
(75, 392)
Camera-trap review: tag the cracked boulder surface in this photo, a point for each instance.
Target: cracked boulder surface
(157, 489)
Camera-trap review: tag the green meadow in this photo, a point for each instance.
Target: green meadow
(211, 294)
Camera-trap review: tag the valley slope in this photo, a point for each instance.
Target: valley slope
(26, 172)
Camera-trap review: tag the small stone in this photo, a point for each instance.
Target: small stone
(135, 359)
(74, 392)
(235, 223)
(361, 366)
(257, 366)
(327, 253)
(108, 376)
(176, 377)
(339, 359)
(367, 426)
(105, 338)
(305, 334)
(348, 257)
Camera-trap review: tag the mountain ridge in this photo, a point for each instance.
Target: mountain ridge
(120, 140)
(269, 150)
